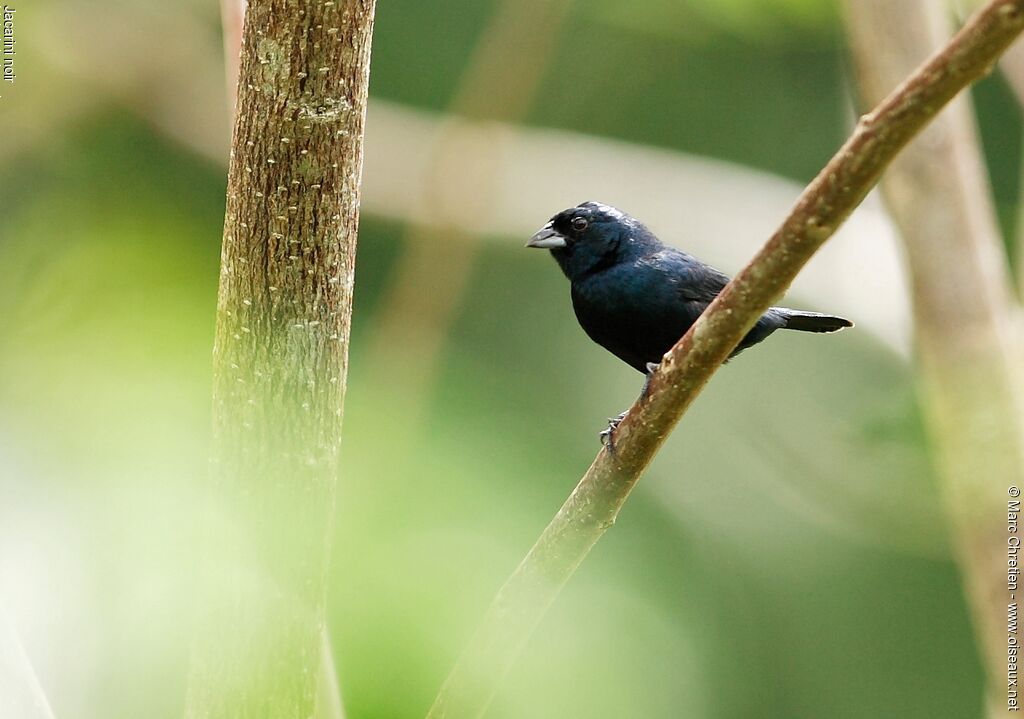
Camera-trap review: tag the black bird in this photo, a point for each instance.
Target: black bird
(636, 297)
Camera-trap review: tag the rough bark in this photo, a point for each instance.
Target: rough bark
(281, 355)
(937, 191)
(593, 506)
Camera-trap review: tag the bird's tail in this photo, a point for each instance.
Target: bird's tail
(812, 321)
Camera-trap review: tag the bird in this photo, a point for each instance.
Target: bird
(636, 296)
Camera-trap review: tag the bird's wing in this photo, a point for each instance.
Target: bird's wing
(694, 281)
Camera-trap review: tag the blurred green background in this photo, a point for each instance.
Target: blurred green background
(785, 556)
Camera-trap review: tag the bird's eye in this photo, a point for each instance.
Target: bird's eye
(579, 223)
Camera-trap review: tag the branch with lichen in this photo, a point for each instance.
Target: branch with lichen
(594, 504)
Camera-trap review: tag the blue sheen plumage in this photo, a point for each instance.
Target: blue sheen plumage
(635, 296)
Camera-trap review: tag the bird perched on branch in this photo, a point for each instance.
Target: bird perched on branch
(636, 297)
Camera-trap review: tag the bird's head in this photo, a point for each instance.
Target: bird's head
(588, 237)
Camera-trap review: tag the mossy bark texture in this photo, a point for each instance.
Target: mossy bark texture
(281, 355)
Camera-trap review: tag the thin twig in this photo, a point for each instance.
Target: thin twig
(593, 506)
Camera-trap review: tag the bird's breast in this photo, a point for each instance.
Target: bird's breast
(634, 314)
(623, 293)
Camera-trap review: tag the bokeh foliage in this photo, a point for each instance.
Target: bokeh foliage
(784, 557)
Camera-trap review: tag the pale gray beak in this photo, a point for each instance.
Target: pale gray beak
(546, 239)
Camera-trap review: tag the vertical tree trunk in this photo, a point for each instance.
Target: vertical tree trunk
(280, 354)
(937, 191)
(1012, 66)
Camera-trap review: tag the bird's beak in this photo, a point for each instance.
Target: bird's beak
(546, 239)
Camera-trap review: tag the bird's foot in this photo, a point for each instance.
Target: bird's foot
(651, 367)
(606, 436)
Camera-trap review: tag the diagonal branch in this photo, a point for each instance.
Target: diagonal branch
(593, 506)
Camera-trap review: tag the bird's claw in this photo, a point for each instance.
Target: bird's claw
(652, 367)
(606, 436)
